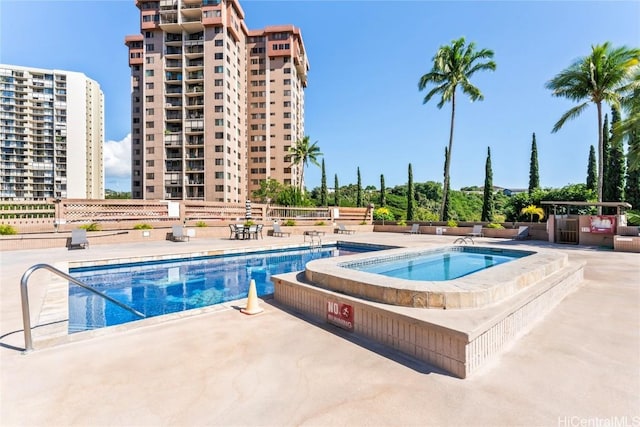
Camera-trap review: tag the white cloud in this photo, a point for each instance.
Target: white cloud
(117, 158)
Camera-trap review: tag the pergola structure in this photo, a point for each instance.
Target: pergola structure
(620, 206)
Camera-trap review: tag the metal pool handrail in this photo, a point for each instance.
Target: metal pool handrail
(26, 315)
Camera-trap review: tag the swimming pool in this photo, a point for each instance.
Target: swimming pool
(170, 286)
(437, 266)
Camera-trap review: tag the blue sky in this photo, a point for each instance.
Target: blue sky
(362, 101)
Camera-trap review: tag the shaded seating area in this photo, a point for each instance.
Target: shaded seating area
(277, 231)
(344, 230)
(178, 234)
(79, 239)
(241, 231)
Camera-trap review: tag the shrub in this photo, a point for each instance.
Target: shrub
(6, 230)
(495, 225)
(289, 223)
(633, 217)
(94, 226)
(201, 224)
(363, 223)
(142, 226)
(383, 214)
(452, 223)
(402, 222)
(249, 223)
(319, 223)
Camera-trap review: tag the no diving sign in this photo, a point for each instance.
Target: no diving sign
(340, 315)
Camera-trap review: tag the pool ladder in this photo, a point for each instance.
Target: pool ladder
(26, 315)
(313, 244)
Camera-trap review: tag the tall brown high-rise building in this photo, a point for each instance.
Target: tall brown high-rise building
(215, 106)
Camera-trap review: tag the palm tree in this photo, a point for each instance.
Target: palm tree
(532, 210)
(302, 153)
(601, 77)
(452, 67)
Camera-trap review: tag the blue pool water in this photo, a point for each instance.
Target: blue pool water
(438, 266)
(171, 286)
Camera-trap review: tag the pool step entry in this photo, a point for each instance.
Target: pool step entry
(26, 315)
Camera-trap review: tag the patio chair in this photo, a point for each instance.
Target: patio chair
(277, 232)
(415, 229)
(476, 232)
(523, 233)
(178, 234)
(79, 239)
(344, 230)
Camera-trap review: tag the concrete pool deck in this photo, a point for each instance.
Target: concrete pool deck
(580, 363)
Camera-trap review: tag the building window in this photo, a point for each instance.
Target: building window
(150, 111)
(287, 81)
(150, 189)
(149, 59)
(149, 47)
(148, 98)
(218, 82)
(219, 149)
(218, 95)
(150, 125)
(219, 135)
(287, 92)
(218, 56)
(218, 69)
(219, 175)
(219, 188)
(149, 85)
(219, 122)
(219, 42)
(219, 162)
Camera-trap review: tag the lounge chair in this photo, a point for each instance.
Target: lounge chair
(277, 232)
(523, 233)
(343, 230)
(79, 239)
(415, 229)
(178, 234)
(476, 232)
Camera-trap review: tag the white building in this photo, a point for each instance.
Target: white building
(51, 135)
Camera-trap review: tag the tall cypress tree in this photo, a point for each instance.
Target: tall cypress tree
(359, 190)
(383, 192)
(487, 201)
(324, 196)
(632, 188)
(605, 159)
(534, 175)
(410, 195)
(616, 163)
(446, 205)
(336, 191)
(592, 170)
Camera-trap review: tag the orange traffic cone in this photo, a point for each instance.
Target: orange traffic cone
(252, 301)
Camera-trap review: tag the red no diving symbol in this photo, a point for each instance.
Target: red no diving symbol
(346, 312)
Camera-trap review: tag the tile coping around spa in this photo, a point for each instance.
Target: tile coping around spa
(480, 289)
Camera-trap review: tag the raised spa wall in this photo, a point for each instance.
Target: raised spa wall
(476, 290)
(459, 342)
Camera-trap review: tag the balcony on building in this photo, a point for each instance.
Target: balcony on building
(173, 140)
(195, 64)
(171, 64)
(195, 102)
(195, 141)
